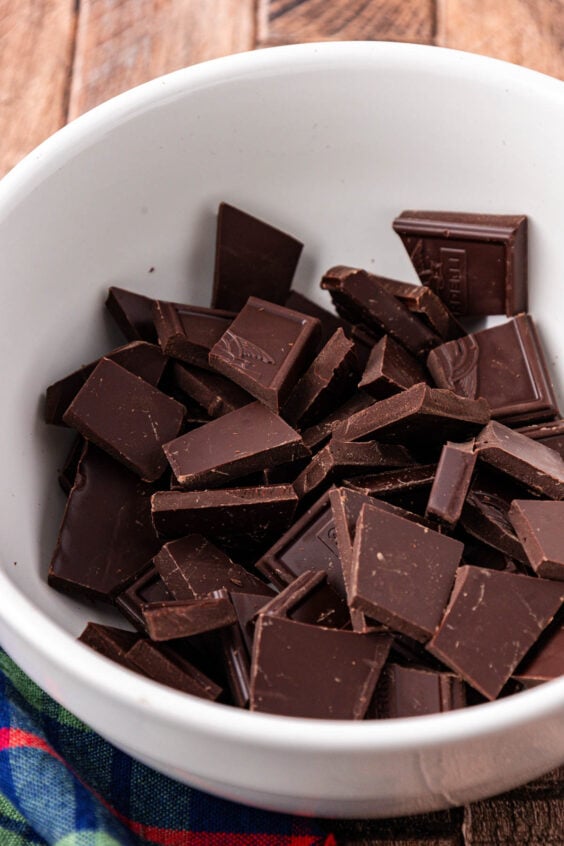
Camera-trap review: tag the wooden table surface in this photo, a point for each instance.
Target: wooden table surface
(59, 58)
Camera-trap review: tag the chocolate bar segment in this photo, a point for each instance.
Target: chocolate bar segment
(188, 332)
(538, 524)
(390, 369)
(176, 618)
(239, 443)
(504, 364)
(127, 417)
(415, 691)
(110, 641)
(492, 620)
(133, 313)
(163, 665)
(452, 482)
(252, 258)
(266, 349)
(476, 263)
(423, 301)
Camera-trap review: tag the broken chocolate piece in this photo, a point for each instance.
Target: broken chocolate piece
(402, 573)
(545, 661)
(301, 670)
(147, 587)
(415, 691)
(252, 258)
(317, 435)
(395, 482)
(164, 665)
(309, 599)
(476, 263)
(452, 481)
(247, 607)
(266, 349)
(133, 313)
(213, 392)
(234, 445)
(423, 301)
(329, 321)
(390, 369)
(106, 535)
(538, 524)
(189, 332)
(485, 515)
(111, 642)
(67, 473)
(551, 434)
(175, 618)
(503, 364)
(492, 620)
(127, 417)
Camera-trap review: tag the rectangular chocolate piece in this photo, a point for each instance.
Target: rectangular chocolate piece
(538, 525)
(415, 691)
(213, 392)
(189, 332)
(127, 417)
(452, 482)
(503, 364)
(328, 320)
(402, 572)
(175, 618)
(390, 369)
(252, 258)
(420, 413)
(492, 620)
(163, 665)
(423, 301)
(266, 349)
(361, 298)
(106, 535)
(476, 263)
(309, 671)
(236, 444)
(133, 313)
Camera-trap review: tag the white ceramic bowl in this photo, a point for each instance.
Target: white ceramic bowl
(329, 142)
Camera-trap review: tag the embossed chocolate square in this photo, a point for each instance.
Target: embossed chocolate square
(476, 263)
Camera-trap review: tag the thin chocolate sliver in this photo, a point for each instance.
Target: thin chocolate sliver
(252, 258)
(133, 313)
(390, 369)
(476, 263)
(188, 332)
(452, 482)
(176, 618)
(67, 473)
(538, 524)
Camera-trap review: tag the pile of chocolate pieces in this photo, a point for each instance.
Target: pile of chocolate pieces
(350, 514)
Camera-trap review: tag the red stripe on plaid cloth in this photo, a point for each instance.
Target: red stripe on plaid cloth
(11, 738)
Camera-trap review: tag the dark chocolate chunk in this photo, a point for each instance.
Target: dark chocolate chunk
(503, 364)
(528, 462)
(315, 436)
(133, 313)
(415, 691)
(168, 667)
(266, 349)
(67, 473)
(476, 263)
(330, 378)
(111, 642)
(452, 482)
(189, 332)
(550, 434)
(127, 417)
(175, 618)
(213, 392)
(147, 587)
(329, 321)
(394, 482)
(309, 599)
(361, 298)
(193, 568)
(301, 670)
(491, 622)
(252, 258)
(402, 572)
(485, 516)
(538, 524)
(106, 534)
(423, 301)
(234, 445)
(143, 359)
(420, 413)
(247, 607)
(545, 661)
(234, 517)
(390, 369)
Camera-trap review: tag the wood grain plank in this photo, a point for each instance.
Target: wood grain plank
(290, 21)
(36, 46)
(528, 32)
(507, 822)
(122, 43)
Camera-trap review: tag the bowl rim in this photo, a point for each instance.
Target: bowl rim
(149, 698)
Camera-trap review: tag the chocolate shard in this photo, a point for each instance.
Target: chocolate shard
(162, 664)
(309, 599)
(415, 691)
(143, 359)
(423, 301)
(391, 483)
(528, 462)
(133, 314)
(331, 377)
(67, 473)
(266, 349)
(538, 524)
(485, 515)
(452, 482)
(146, 587)
(492, 620)
(233, 517)
(328, 320)
(110, 641)
(301, 670)
(193, 568)
(476, 263)
(176, 618)
(252, 258)
(361, 298)
(247, 607)
(551, 434)
(505, 365)
(390, 369)
(234, 656)
(213, 392)
(244, 441)
(402, 572)
(419, 413)
(315, 436)
(127, 417)
(106, 535)
(188, 332)
(545, 661)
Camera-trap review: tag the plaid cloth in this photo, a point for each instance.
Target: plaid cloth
(63, 785)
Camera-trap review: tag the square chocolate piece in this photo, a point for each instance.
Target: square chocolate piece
(476, 263)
